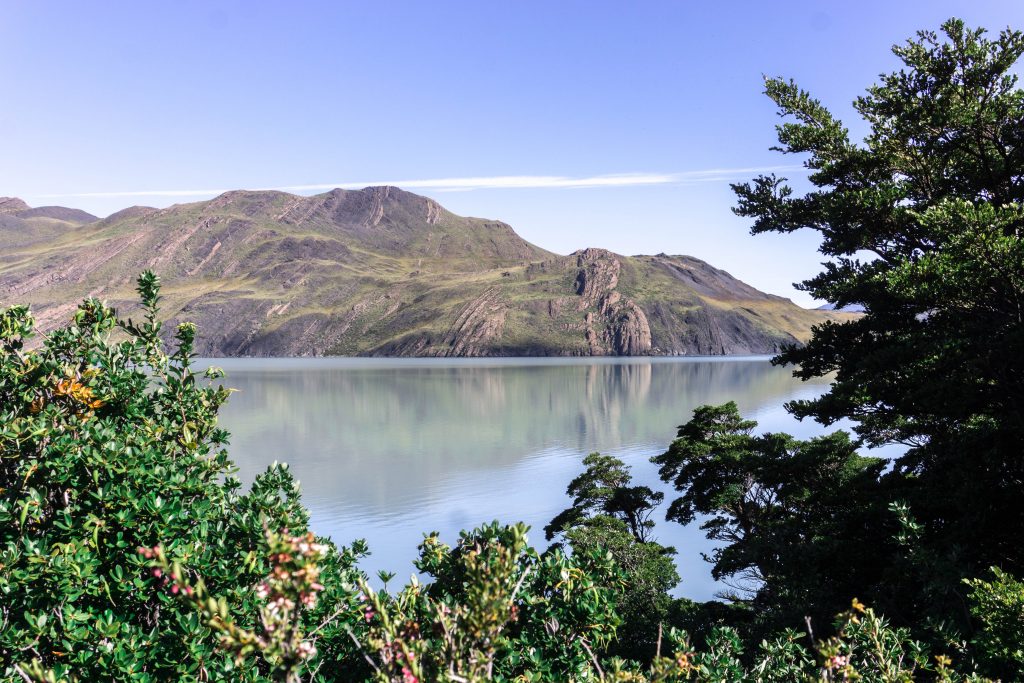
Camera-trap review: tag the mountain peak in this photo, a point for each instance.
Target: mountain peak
(12, 205)
(60, 213)
(131, 212)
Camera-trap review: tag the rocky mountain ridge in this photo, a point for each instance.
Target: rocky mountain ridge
(384, 272)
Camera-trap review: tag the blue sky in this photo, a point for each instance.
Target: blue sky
(621, 123)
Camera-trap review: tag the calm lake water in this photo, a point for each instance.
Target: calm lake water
(388, 449)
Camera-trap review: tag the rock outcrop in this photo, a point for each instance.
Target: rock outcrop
(480, 323)
(623, 326)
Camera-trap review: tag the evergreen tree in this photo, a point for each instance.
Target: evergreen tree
(800, 526)
(922, 223)
(608, 516)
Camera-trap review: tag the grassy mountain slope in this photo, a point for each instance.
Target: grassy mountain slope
(381, 271)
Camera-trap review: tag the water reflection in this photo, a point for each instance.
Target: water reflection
(386, 450)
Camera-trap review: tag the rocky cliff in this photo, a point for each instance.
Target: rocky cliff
(381, 272)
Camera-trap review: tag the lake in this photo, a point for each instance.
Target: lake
(387, 449)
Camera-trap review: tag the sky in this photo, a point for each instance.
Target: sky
(582, 124)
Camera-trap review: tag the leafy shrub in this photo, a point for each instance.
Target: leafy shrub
(106, 446)
(998, 608)
(495, 609)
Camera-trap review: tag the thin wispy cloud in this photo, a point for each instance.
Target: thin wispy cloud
(514, 182)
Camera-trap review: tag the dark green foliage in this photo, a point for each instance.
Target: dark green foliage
(642, 598)
(610, 516)
(793, 517)
(603, 490)
(923, 223)
(865, 648)
(698, 619)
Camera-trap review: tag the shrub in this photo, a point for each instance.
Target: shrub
(998, 608)
(106, 446)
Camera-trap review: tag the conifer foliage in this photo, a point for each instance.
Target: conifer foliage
(922, 223)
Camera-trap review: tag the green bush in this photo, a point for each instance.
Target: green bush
(998, 608)
(792, 518)
(106, 446)
(496, 609)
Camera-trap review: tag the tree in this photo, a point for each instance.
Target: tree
(608, 516)
(603, 489)
(801, 523)
(922, 222)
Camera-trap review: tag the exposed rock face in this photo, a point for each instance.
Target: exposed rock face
(480, 323)
(598, 274)
(379, 272)
(628, 332)
(624, 328)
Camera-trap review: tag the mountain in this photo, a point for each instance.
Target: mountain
(22, 226)
(383, 272)
(14, 208)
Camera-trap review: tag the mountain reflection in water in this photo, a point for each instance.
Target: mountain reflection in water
(388, 449)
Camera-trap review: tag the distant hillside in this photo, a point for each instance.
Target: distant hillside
(383, 272)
